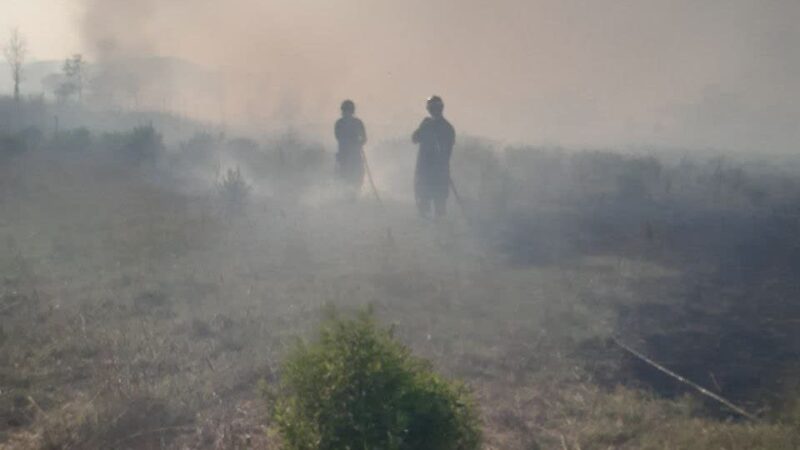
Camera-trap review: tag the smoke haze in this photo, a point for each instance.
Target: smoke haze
(711, 74)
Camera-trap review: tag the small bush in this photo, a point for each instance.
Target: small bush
(203, 142)
(201, 148)
(144, 144)
(357, 388)
(77, 140)
(20, 142)
(234, 191)
(140, 145)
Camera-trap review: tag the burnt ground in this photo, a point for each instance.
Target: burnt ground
(728, 320)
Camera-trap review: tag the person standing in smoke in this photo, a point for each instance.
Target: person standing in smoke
(436, 138)
(351, 136)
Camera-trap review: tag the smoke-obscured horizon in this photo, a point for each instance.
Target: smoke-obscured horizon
(716, 73)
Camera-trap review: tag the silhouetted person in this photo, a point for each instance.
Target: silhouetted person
(351, 136)
(436, 138)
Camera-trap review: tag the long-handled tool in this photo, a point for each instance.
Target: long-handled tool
(389, 236)
(458, 199)
(369, 177)
(451, 183)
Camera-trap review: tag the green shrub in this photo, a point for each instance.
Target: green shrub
(358, 388)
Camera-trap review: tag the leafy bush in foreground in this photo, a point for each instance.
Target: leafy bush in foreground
(358, 388)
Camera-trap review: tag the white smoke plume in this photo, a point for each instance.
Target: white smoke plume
(711, 73)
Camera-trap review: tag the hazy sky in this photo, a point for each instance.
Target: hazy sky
(49, 25)
(722, 73)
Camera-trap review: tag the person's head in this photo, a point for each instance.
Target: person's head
(348, 108)
(435, 106)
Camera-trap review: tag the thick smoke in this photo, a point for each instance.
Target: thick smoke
(712, 74)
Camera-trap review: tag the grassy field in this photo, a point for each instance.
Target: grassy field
(134, 314)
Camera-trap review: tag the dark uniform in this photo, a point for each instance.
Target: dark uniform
(351, 136)
(436, 138)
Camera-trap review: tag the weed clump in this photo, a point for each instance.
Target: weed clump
(356, 387)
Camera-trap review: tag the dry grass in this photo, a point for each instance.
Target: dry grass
(133, 317)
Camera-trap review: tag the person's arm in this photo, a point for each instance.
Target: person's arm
(337, 130)
(418, 134)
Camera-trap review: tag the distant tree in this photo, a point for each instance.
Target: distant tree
(15, 52)
(73, 76)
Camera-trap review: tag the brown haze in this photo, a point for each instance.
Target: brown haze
(719, 73)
